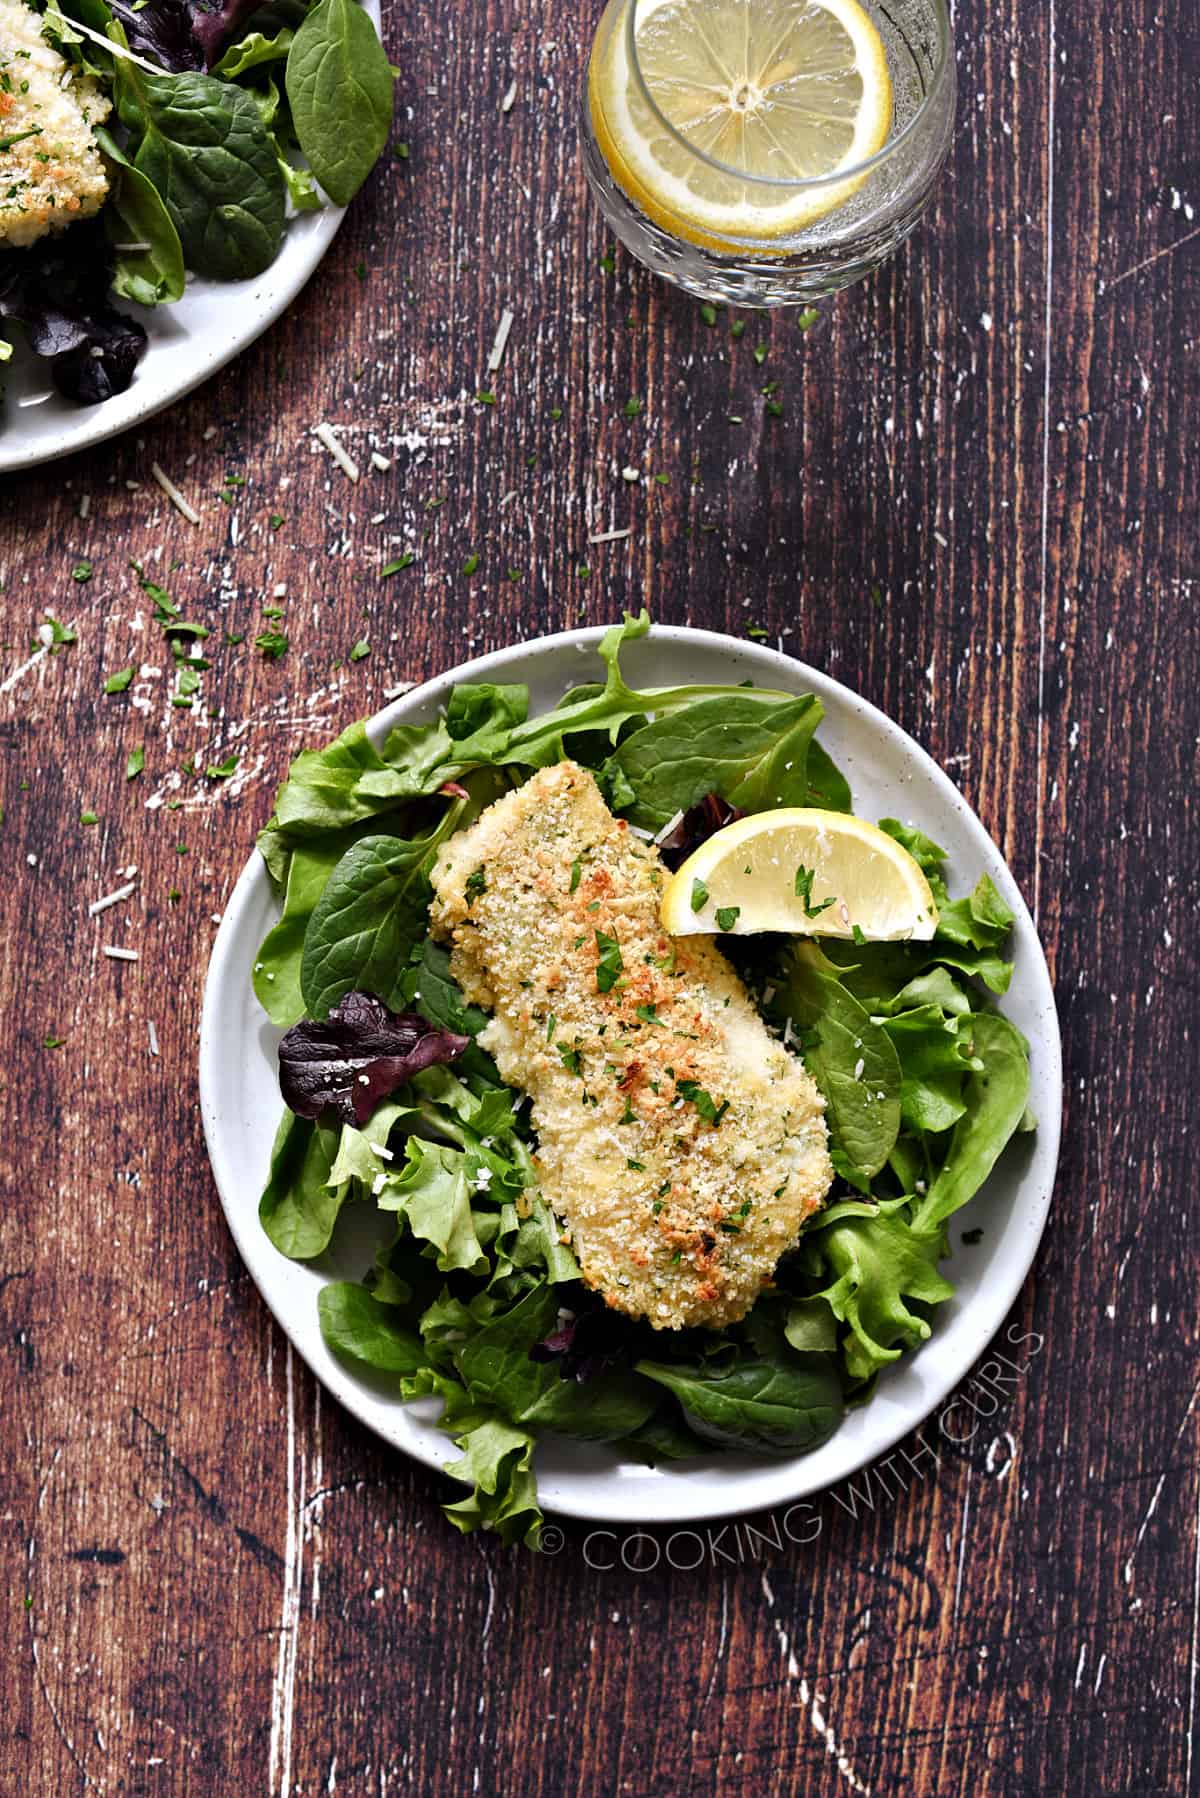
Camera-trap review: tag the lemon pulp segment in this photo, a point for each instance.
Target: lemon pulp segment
(803, 871)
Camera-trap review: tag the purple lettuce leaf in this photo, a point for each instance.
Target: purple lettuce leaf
(213, 25)
(699, 822)
(165, 32)
(357, 1056)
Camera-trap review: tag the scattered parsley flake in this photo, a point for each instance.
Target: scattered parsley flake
(135, 763)
(276, 520)
(856, 931)
(728, 916)
(610, 963)
(117, 683)
(222, 770)
(82, 571)
(391, 568)
(571, 1059)
(361, 650)
(760, 353)
(804, 885)
(476, 885)
(53, 1042)
(471, 563)
(699, 895)
(632, 407)
(88, 818)
(704, 1102)
(737, 328)
(272, 643)
(808, 318)
(576, 875)
(709, 314)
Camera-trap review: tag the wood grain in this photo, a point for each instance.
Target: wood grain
(216, 1582)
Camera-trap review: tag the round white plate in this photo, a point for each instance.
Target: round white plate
(188, 342)
(890, 776)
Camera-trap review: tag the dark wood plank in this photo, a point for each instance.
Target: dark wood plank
(217, 1581)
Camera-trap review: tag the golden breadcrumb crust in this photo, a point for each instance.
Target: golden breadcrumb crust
(681, 1145)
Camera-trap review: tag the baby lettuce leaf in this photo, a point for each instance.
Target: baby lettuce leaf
(299, 1208)
(204, 147)
(252, 52)
(996, 1095)
(934, 1052)
(433, 1192)
(356, 1325)
(497, 1463)
(342, 92)
(878, 1264)
(358, 1055)
(135, 214)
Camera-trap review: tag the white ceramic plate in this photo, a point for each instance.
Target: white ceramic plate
(890, 776)
(188, 342)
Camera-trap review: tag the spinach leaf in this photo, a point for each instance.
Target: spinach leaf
(497, 1370)
(341, 89)
(355, 1324)
(135, 215)
(996, 1097)
(203, 146)
(777, 1405)
(277, 964)
(827, 785)
(299, 1207)
(752, 751)
(851, 1059)
(371, 915)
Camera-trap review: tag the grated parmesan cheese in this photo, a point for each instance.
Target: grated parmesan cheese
(173, 494)
(324, 435)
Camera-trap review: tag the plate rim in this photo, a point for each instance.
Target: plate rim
(94, 426)
(789, 1482)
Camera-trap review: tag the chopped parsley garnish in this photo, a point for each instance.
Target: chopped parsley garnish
(390, 568)
(135, 764)
(699, 895)
(276, 520)
(53, 1042)
(632, 407)
(709, 314)
(629, 1115)
(704, 1102)
(727, 916)
(88, 818)
(637, 1167)
(60, 634)
(272, 643)
(471, 564)
(760, 353)
(551, 1021)
(117, 683)
(222, 770)
(82, 571)
(571, 1059)
(361, 650)
(475, 885)
(648, 1014)
(576, 875)
(856, 931)
(610, 963)
(486, 398)
(808, 318)
(737, 328)
(804, 886)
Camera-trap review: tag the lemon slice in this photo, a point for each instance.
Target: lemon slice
(807, 872)
(779, 90)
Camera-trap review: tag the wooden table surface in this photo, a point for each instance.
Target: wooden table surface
(978, 508)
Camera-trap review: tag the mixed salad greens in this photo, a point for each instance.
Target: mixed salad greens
(226, 114)
(473, 1297)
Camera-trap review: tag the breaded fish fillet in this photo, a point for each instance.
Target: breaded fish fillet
(680, 1144)
(51, 170)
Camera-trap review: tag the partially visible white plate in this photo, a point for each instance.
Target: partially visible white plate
(890, 776)
(188, 342)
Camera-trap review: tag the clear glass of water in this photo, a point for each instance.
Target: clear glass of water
(702, 119)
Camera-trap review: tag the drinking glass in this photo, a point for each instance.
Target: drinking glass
(844, 224)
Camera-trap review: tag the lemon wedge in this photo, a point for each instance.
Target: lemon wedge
(782, 91)
(803, 871)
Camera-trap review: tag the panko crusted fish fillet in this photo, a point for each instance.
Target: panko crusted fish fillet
(680, 1144)
(51, 171)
